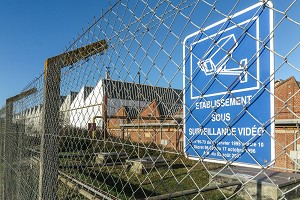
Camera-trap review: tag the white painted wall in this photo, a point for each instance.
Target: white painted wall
(83, 110)
(33, 120)
(65, 111)
(93, 104)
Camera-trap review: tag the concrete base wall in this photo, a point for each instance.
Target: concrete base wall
(255, 190)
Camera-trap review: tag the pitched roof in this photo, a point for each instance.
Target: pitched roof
(86, 91)
(73, 96)
(148, 93)
(166, 110)
(131, 111)
(281, 82)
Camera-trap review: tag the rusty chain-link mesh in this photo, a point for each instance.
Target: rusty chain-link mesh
(20, 147)
(144, 104)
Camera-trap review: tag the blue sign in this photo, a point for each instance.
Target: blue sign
(229, 88)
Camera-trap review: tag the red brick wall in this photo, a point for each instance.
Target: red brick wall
(173, 136)
(113, 124)
(150, 129)
(287, 106)
(283, 146)
(287, 99)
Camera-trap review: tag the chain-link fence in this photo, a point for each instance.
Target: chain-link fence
(163, 100)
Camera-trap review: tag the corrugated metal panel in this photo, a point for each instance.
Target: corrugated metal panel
(148, 93)
(87, 91)
(132, 111)
(73, 96)
(169, 110)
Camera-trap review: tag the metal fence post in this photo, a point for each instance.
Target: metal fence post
(7, 150)
(2, 124)
(10, 136)
(49, 145)
(48, 179)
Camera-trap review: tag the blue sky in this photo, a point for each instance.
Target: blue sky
(31, 31)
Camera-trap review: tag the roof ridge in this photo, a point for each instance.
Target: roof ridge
(286, 80)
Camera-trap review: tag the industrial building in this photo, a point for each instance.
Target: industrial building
(141, 113)
(150, 114)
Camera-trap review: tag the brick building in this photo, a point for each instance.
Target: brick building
(158, 123)
(160, 118)
(108, 96)
(287, 119)
(157, 126)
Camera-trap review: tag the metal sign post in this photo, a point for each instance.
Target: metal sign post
(228, 81)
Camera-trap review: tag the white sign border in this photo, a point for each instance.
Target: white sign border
(272, 87)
